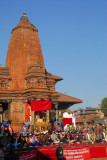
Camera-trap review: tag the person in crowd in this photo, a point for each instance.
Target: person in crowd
(5, 125)
(92, 136)
(88, 136)
(71, 127)
(77, 137)
(83, 137)
(36, 129)
(31, 139)
(52, 124)
(103, 133)
(11, 139)
(56, 123)
(80, 130)
(43, 128)
(27, 127)
(61, 137)
(49, 139)
(68, 137)
(50, 129)
(58, 128)
(54, 137)
(23, 129)
(10, 130)
(28, 139)
(37, 117)
(1, 129)
(32, 129)
(106, 138)
(59, 154)
(67, 128)
(103, 126)
(44, 118)
(21, 139)
(80, 136)
(72, 137)
(24, 144)
(98, 136)
(43, 140)
(35, 140)
(77, 127)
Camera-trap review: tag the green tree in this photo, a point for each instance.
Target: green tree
(104, 106)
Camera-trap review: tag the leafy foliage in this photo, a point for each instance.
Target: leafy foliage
(104, 106)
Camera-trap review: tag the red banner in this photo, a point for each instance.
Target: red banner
(98, 151)
(28, 155)
(40, 105)
(77, 154)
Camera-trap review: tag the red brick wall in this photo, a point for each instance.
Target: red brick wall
(17, 111)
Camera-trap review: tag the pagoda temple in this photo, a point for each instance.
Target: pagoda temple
(25, 81)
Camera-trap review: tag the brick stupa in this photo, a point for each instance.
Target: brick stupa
(24, 77)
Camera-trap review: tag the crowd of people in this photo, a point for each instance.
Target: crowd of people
(52, 134)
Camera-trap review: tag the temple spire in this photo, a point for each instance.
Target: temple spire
(24, 17)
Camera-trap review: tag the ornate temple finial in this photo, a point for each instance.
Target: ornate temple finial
(24, 16)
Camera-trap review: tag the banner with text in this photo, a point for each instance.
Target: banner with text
(77, 154)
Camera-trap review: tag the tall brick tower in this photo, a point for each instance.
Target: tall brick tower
(24, 51)
(24, 77)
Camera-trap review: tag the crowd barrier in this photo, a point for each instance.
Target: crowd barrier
(70, 152)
